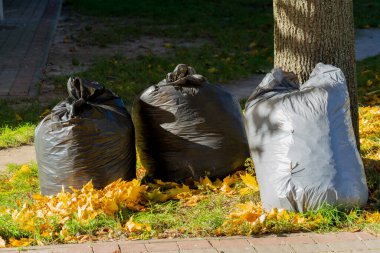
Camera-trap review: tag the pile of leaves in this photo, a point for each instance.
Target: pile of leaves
(133, 210)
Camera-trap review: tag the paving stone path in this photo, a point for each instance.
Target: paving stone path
(290, 243)
(25, 36)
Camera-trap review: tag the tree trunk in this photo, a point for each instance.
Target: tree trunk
(310, 31)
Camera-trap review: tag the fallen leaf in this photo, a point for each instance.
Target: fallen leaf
(23, 242)
(2, 242)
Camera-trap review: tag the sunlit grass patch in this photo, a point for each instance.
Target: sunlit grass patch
(18, 120)
(158, 210)
(16, 136)
(17, 184)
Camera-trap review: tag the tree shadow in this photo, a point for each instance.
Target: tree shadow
(372, 171)
(261, 104)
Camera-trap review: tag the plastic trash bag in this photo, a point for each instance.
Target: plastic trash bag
(88, 136)
(302, 142)
(188, 128)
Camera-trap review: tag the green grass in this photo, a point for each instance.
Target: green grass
(13, 113)
(368, 72)
(101, 222)
(233, 44)
(171, 219)
(166, 219)
(366, 13)
(17, 122)
(17, 185)
(236, 41)
(9, 229)
(17, 136)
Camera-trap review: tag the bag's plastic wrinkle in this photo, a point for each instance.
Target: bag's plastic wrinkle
(186, 127)
(302, 142)
(88, 136)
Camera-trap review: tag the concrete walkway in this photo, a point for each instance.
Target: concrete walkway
(25, 36)
(20, 155)
(367, 44)
(291, 243)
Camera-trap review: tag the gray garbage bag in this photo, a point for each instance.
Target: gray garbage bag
(188, 128)
(88, 136)
(302, 142)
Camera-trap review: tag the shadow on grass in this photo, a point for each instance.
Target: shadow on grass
(372, 169)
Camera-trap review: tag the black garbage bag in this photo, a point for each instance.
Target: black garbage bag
(188, 128)
(302, 142)
(88, 136)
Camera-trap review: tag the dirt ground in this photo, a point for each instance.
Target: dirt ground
(70, 53)
(20, 155)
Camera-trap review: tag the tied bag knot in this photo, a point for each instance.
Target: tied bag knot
(82, 92)
(183, 75)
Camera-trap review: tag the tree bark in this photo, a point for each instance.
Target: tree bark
(310, 31)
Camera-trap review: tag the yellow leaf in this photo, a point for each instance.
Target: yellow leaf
(25, 169)
(18, 117)
(205, 182)
(225, 188)
(193, 200)
(64, 232)
(249, 211)
(132, 226)
(110, 206)
(272, 214)
(23, 242)
(168, 45)
(134, 190)
(369, 82)
(174, 192)
(373, 217)
(245, 191)
(297, 219)
(89, 187)
(212, 70)
(283, 214)
(46, 234)
(250, 181)
(2, 242)
(229, 180)
(253, 44)
(156, 196)
(165, 184)
(39, 197)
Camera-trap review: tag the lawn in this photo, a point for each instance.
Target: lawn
(137, 210)
(236, 42)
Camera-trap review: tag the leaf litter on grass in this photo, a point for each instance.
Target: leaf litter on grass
(131, 209)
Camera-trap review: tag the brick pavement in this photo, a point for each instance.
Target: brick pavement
(292, 243)
(25, 37)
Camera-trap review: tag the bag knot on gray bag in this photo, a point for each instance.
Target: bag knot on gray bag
(188, 128)
(302, 141)
(88, 136)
